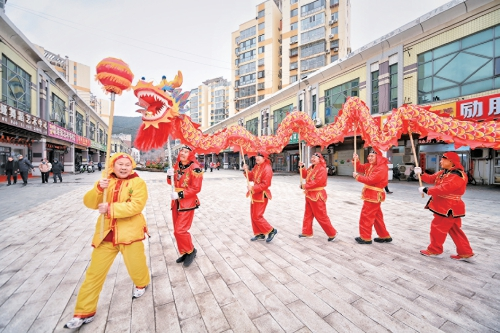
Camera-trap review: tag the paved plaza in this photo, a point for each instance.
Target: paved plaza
(234, 285)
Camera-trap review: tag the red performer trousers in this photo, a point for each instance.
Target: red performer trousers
(317, 209)
(182, 224)
(371, 215)
(442, 226)
(259, 223)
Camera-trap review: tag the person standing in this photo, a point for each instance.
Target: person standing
(56, 170)
(261, 175)
(11, 168)
(44, 170)
(374, 175)
(446, 203)
(24, 167)
(187, 178)
(124, 230)
(99, 165)
(314, 189)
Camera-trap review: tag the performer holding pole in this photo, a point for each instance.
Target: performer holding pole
(261, 175)
(300, 161)
(355, 147)
(375, 179)
(314, 189)
(446, 203)
(246, 170)
(415, 158)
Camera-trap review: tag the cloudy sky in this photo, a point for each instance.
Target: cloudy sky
(159, 37)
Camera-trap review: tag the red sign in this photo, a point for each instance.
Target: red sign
(479, 109)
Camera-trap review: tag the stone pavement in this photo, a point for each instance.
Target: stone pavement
(234, 285)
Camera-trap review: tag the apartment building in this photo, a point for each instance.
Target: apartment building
(447, 60)
(287, 40)
(209, 104)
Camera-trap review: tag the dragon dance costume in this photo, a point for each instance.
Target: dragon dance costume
(448, 208)
(314, 189)
(187, 181)
(375, 179)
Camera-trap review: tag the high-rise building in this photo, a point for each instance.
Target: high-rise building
(209, 104)
(287, 40)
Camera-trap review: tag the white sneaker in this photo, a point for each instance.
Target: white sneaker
(77, 322)
(138, 292)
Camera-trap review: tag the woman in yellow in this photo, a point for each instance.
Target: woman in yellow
(124, 229)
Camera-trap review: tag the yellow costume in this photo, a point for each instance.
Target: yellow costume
(124, 229)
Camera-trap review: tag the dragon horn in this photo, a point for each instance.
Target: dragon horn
(177, 82)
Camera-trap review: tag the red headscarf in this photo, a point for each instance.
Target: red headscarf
(191, 157)
(322, 161)
(455, 159)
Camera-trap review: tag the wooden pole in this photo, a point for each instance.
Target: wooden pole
(246, 171)
(300, 160)
(172, 181)
(355, 148)
(415, 156)
(108, 158)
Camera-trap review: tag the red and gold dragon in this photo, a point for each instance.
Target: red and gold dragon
(161, 118)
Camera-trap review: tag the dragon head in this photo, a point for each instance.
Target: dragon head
(160, 106)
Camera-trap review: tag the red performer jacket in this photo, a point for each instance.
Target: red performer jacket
(375, 179)
(261, 176)
(316, 176)
(187, 182)
(446, 195)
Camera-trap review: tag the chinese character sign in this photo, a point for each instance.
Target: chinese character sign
(481, 108)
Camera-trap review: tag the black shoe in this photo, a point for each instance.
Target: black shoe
(181, 258)
(8, 184)
(189, 258)
(258, 237)
(271, 235)
(24, 184)
(389, 192)
(305, 236)
(361, 241)
(383, 240)
(331, 239)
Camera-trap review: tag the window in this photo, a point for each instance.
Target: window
(294, 26)
(293, 78)
(334, 58)
(310, 49)
(294, 12)
(58, 112)
(261, 86)
(247, 68)
(262, 25)
(463, 67)
(334, 3)
(247, 79)
(246, 91)
(375, 102)
(312, 35)
(312, 21)
(280, 114)
(261, 74)
(294, 39)
(312, 63)
(247, 33)
(335, 17)
(293, 1)
(261, 97)
(261, 38)
(294, 52)
(262, 13)
(313, 107)
(16, 85)
(262, 49)
(294, 65)
(248, 44)
(247, 56)
(79, 124)
(393, 84)
(252, 125)
(336, 96)
(312, 7)
(261, 62)
(335, 30)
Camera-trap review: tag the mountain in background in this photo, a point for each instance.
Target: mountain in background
(126, 125)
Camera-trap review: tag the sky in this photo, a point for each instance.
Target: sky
(160, 37)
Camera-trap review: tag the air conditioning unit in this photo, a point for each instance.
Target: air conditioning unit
(317, 122)
(480, 153)
(408, 159)
(331, 36)
(335, 49)
(327, 51)
(333, 21)
(279, 40)
(293, 42)
(309, 88)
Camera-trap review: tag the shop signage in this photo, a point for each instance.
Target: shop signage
(97, 145)
(480, 108)
(80, 140)
(445, 110)
(66, 135)
(17, 118)
(294, 138)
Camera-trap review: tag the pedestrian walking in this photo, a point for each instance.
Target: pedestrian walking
(187, 178)
(57, 168)
(314, 190)
(261, 176)
(446, 203)
(387, 190)
(44, 170)
(99, 166)
(11, 168)
(124, 230)
(24, 167)
(374, 175)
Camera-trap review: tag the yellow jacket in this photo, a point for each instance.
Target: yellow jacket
(127, 198)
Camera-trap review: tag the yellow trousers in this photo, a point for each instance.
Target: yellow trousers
(101, 261)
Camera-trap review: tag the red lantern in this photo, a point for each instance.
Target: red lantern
(114, 74)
